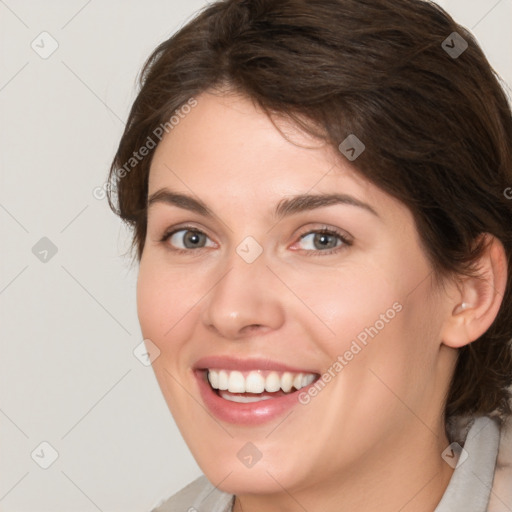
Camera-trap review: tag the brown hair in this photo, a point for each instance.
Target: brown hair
(437, 128)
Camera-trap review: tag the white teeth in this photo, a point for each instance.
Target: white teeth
(286, 382)
(223, 380)
(243, 399)
(272, 382)
(236, 382)
(213, 377)
(255, 382)
(307, 380)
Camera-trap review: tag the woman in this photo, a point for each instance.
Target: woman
(318, 196)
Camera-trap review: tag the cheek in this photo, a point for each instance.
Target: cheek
(350, 303)
(164, 299)
(151, 297)
(377, 318)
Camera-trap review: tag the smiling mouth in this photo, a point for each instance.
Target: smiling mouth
(256, 385)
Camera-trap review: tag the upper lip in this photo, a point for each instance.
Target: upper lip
(234, 363)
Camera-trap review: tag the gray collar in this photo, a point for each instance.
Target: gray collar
(471, 482)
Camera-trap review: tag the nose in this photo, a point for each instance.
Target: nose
(244, 301)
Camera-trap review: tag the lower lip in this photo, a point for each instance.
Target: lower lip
(254, 413)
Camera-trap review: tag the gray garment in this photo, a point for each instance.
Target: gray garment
(198, 496)
(469, 488)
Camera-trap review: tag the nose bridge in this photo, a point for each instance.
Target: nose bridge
(244, 296)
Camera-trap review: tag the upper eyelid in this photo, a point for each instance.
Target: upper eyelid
(172, 230)
(343, 235)
(323, 227)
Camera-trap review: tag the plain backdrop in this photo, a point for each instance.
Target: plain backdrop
(68, 375)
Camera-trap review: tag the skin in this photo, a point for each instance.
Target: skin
(372, 438)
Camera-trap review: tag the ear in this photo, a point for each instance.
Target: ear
(476, 303)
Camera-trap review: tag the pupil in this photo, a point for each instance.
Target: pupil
(323, 240)
(192, 237)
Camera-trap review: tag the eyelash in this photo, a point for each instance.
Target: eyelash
(327, 231)
(324, 231)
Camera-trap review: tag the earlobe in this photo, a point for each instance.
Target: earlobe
(479, 298)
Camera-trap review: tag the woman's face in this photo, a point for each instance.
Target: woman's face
(266, 259)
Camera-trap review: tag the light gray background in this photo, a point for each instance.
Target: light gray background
(68, 375)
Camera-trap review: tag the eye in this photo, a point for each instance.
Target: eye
(185, 239)
(326, 241)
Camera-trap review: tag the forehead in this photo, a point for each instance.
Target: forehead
(227, 147)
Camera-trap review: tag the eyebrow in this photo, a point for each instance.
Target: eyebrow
(184, 201)
(285, 207)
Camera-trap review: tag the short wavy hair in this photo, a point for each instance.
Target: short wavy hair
(432, 114)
